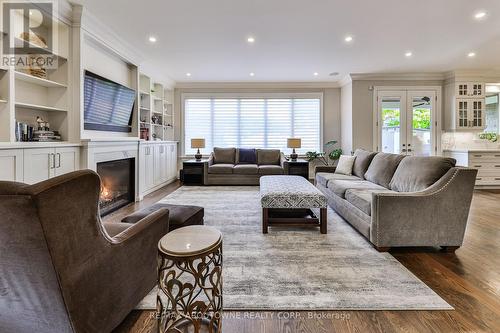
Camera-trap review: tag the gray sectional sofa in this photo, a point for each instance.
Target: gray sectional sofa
(396, 200)
(226, 167)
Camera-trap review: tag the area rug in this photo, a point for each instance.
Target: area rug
(299, 269)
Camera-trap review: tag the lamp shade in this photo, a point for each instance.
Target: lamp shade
(197, 143)
(293, 143)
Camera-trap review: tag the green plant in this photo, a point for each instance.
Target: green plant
(490, 136)
(330, 154)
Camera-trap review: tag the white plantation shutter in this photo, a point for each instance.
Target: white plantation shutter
(252, 122)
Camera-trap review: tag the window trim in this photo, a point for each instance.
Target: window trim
(185, 96)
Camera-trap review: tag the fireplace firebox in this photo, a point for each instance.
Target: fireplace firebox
(117, 184)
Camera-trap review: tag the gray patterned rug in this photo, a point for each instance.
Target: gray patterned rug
(300, 269)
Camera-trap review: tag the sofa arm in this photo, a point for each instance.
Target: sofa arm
(324, 168)
(436, 216)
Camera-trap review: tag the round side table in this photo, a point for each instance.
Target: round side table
(190, 279)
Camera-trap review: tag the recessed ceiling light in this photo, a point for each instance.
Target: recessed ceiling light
(348, 39)
(251, 40)
(480, 15)
(152, 39)
(408, 54)
(252, 74)
(188, 74)
(471, 54)
(315, 73)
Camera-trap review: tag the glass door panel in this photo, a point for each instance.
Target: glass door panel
(420, 118)
(391, 110)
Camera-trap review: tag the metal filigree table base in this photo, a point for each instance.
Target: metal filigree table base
(190, 291)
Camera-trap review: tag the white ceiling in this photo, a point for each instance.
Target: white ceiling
(295, 38)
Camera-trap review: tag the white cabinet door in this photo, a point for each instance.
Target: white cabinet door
(172, 161)
(11, 165)
(159, 152)
(164, 163)
(67, 160)
(470, 89)
(149, 167)
(39, 164)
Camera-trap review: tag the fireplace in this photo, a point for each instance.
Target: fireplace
(117, 184)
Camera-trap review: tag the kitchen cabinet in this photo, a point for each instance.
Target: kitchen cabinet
(465, 106)
(487, 163)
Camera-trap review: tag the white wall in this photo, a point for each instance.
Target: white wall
(331, 102)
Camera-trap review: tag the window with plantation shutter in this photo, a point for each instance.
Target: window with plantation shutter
(252, 122)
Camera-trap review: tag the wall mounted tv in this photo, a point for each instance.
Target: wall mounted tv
(108, 106)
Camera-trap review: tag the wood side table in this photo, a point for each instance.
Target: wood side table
(299, 167)
(193, 172)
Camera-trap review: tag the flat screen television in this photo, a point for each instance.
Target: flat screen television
(108, 106)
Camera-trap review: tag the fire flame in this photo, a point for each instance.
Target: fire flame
(105, 193)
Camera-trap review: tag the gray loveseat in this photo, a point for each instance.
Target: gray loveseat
(396, 200)
(224, 167)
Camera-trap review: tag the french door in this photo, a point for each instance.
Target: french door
(406, 122)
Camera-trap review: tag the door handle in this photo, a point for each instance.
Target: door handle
(409, 150)
(51, 161)
(58, 160)
(403, 150)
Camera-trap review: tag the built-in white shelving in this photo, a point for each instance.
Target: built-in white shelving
(39, 107)
(155, 117)
(37, 80)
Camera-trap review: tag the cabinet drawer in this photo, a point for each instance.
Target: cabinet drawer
(487, 180)
(478, 158)
(483, 165)
(193, 170)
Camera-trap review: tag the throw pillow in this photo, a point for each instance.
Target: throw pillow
(362, 162)
(247, 156)
(345, 164)
(382, 168)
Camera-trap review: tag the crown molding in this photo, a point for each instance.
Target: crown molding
(397, 76)
(345, 80)
(255, 85)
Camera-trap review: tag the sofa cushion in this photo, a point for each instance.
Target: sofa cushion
(362, 199)
(382, 168)
(323, 177)
(246, 156)
(339, 187)
(178, 215)
(362, 162)
(270, 170)
(344, 165)
(246, 169)
(222, 168)
(268, 156)
(224, 155)
(416, 173)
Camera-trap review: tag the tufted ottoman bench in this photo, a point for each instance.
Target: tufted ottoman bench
(179, 215)
(287, 201)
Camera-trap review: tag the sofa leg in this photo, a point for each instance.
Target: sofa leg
(449, 249)
(382, 248)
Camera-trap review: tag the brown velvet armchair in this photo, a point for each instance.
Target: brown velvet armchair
(61, 269)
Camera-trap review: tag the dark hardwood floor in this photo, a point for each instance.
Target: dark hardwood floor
(468, 279)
